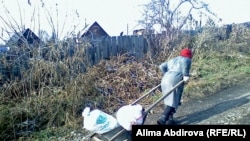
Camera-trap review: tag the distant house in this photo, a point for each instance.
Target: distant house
(27, 36)
(139, 32)
(94, 32)
(142, 32)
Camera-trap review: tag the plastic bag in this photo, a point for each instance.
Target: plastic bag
(98, 121)
(130, 115)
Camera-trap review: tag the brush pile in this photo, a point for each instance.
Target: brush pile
(123, 79)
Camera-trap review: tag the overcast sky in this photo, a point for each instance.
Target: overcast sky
(114, 16)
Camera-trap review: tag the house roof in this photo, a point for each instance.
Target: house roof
(27, 34)
(94, 30)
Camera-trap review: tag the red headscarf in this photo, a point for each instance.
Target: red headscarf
(186, 53)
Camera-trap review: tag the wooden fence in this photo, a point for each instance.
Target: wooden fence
(102, 48)
(117, 45)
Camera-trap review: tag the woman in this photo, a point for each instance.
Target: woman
(174, 71)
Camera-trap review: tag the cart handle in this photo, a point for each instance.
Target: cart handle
(164, 96)
(140, 98)
(152, 106)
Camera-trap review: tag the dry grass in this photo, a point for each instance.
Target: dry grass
(48, 95)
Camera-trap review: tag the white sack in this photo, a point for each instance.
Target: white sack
(98, 121)
(130, 115)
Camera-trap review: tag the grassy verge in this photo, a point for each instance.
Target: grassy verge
(47, 102)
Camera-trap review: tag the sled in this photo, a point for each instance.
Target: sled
(119, 133)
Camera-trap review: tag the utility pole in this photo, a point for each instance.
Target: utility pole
(127, 29)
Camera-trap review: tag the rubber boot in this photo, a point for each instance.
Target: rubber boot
(162, 120)
(165, 116)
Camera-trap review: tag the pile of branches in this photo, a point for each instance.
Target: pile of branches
(123, 79)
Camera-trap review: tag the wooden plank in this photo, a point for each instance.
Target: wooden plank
(97, 53)
(109, 135)
(106, 45)
(129, 44)
(114, 47)
(119, 45)
(139, 50)
(145, 46)
(134, 40)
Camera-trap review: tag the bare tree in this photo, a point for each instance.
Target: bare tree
(171, 17)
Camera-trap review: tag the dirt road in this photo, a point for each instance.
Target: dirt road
(230, 106)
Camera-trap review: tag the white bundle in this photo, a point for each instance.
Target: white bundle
(98, 121)
(130, 115)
